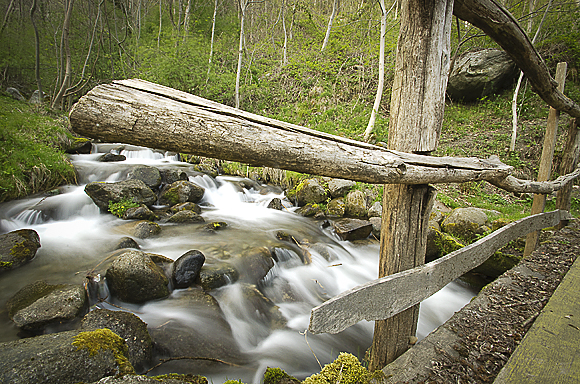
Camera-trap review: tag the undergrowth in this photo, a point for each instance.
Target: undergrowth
(30, 154)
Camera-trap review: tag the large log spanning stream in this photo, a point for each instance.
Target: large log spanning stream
(143, 113)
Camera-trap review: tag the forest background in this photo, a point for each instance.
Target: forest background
(309, 62)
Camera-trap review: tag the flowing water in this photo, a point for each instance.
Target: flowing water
(76, 237)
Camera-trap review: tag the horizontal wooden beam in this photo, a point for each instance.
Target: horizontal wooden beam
(385, 297)
(142, 113)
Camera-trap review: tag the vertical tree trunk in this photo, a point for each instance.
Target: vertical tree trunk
(212, 38)
(160, 20)
(568, 164)
(330, 21)
(285, 46)
(243, 6)
(186, 19)
(417, 104)
(57, 101)
(7, 16)
(37, 53)
(545, 168)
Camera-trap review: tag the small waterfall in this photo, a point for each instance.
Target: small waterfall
(268, 324)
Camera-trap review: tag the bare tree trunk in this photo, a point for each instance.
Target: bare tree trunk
(57, 102)
(37, 52)
(417, 104)
(243, 7)
(330, 21)
(381, 84)
(160, 20)
(212, 39)
(520, 78)
(186, 19)
(285, 46)
(7, 16)
(569, 162)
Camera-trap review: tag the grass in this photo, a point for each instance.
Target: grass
(30, 154)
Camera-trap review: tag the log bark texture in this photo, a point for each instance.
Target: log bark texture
(387, 296)
(417, 105)
(142, 113)
(493, 19)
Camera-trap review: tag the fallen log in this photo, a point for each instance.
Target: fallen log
(142, 113)
(387, 296)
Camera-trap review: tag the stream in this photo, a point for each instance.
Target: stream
(75, 237)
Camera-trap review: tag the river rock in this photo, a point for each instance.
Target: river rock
(142, 229)
(147, 174)
(186, 269)
(102, 193)
(112, 157)
(376, 210)
(479, 74)
(185, 217)
(377, 223)
(40, 305)
(309, 210)
(79, 147)
(466, 223)
(276, 203)
(310, 192)
(216, 274)
(125, 242)
(129, 327)
(206, 334)
(35, 98)
(15, 93)
(336, 207)
(64, 358)
(352, 229)
(355, 204)
(134, 277)
(187, 206)
(339, 187)
(254, 264)
(181, 192)
(162, 379)
(170, 176)
(17, 248)
(141, 212)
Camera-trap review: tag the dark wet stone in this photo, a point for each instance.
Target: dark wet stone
(186, 268)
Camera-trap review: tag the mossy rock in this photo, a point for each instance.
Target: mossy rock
(346, 369)
(17, 248)
(497, 264)
(105, 339)
(278, 376)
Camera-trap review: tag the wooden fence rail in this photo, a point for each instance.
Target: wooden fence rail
(385, 297)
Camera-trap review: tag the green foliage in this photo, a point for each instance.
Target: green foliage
(30, 154)
(119, 208)
(346, 369)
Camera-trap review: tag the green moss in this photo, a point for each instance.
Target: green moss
(447, 243)
(193, 379)
(105, 339)
(346, 369)
(20, 250)
(5, 264)
(233, 382)
(277, 375)
(119, 208)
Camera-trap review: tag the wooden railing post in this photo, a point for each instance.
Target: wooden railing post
(417, 105)
(545, 169)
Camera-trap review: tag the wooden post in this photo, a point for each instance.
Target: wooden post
(569, 162)
(417, 105)
(545, 169)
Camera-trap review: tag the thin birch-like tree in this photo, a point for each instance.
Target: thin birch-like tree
(37, 53)
(330, 22)
(215, 7)
(57, 101)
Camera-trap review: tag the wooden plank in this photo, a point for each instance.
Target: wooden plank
(382, 298)
(545, 169)
(549, 351)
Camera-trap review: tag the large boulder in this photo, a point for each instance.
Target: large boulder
(310, 191)
(479, 74)
(39, 305)
(127, 325)
(254, 264)
(134, 277)
(466, 223)
(147, 174)
(17, 248)
(180, 192)
(15, 93)
(136, 190)
(336, 207)
(64, 358)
